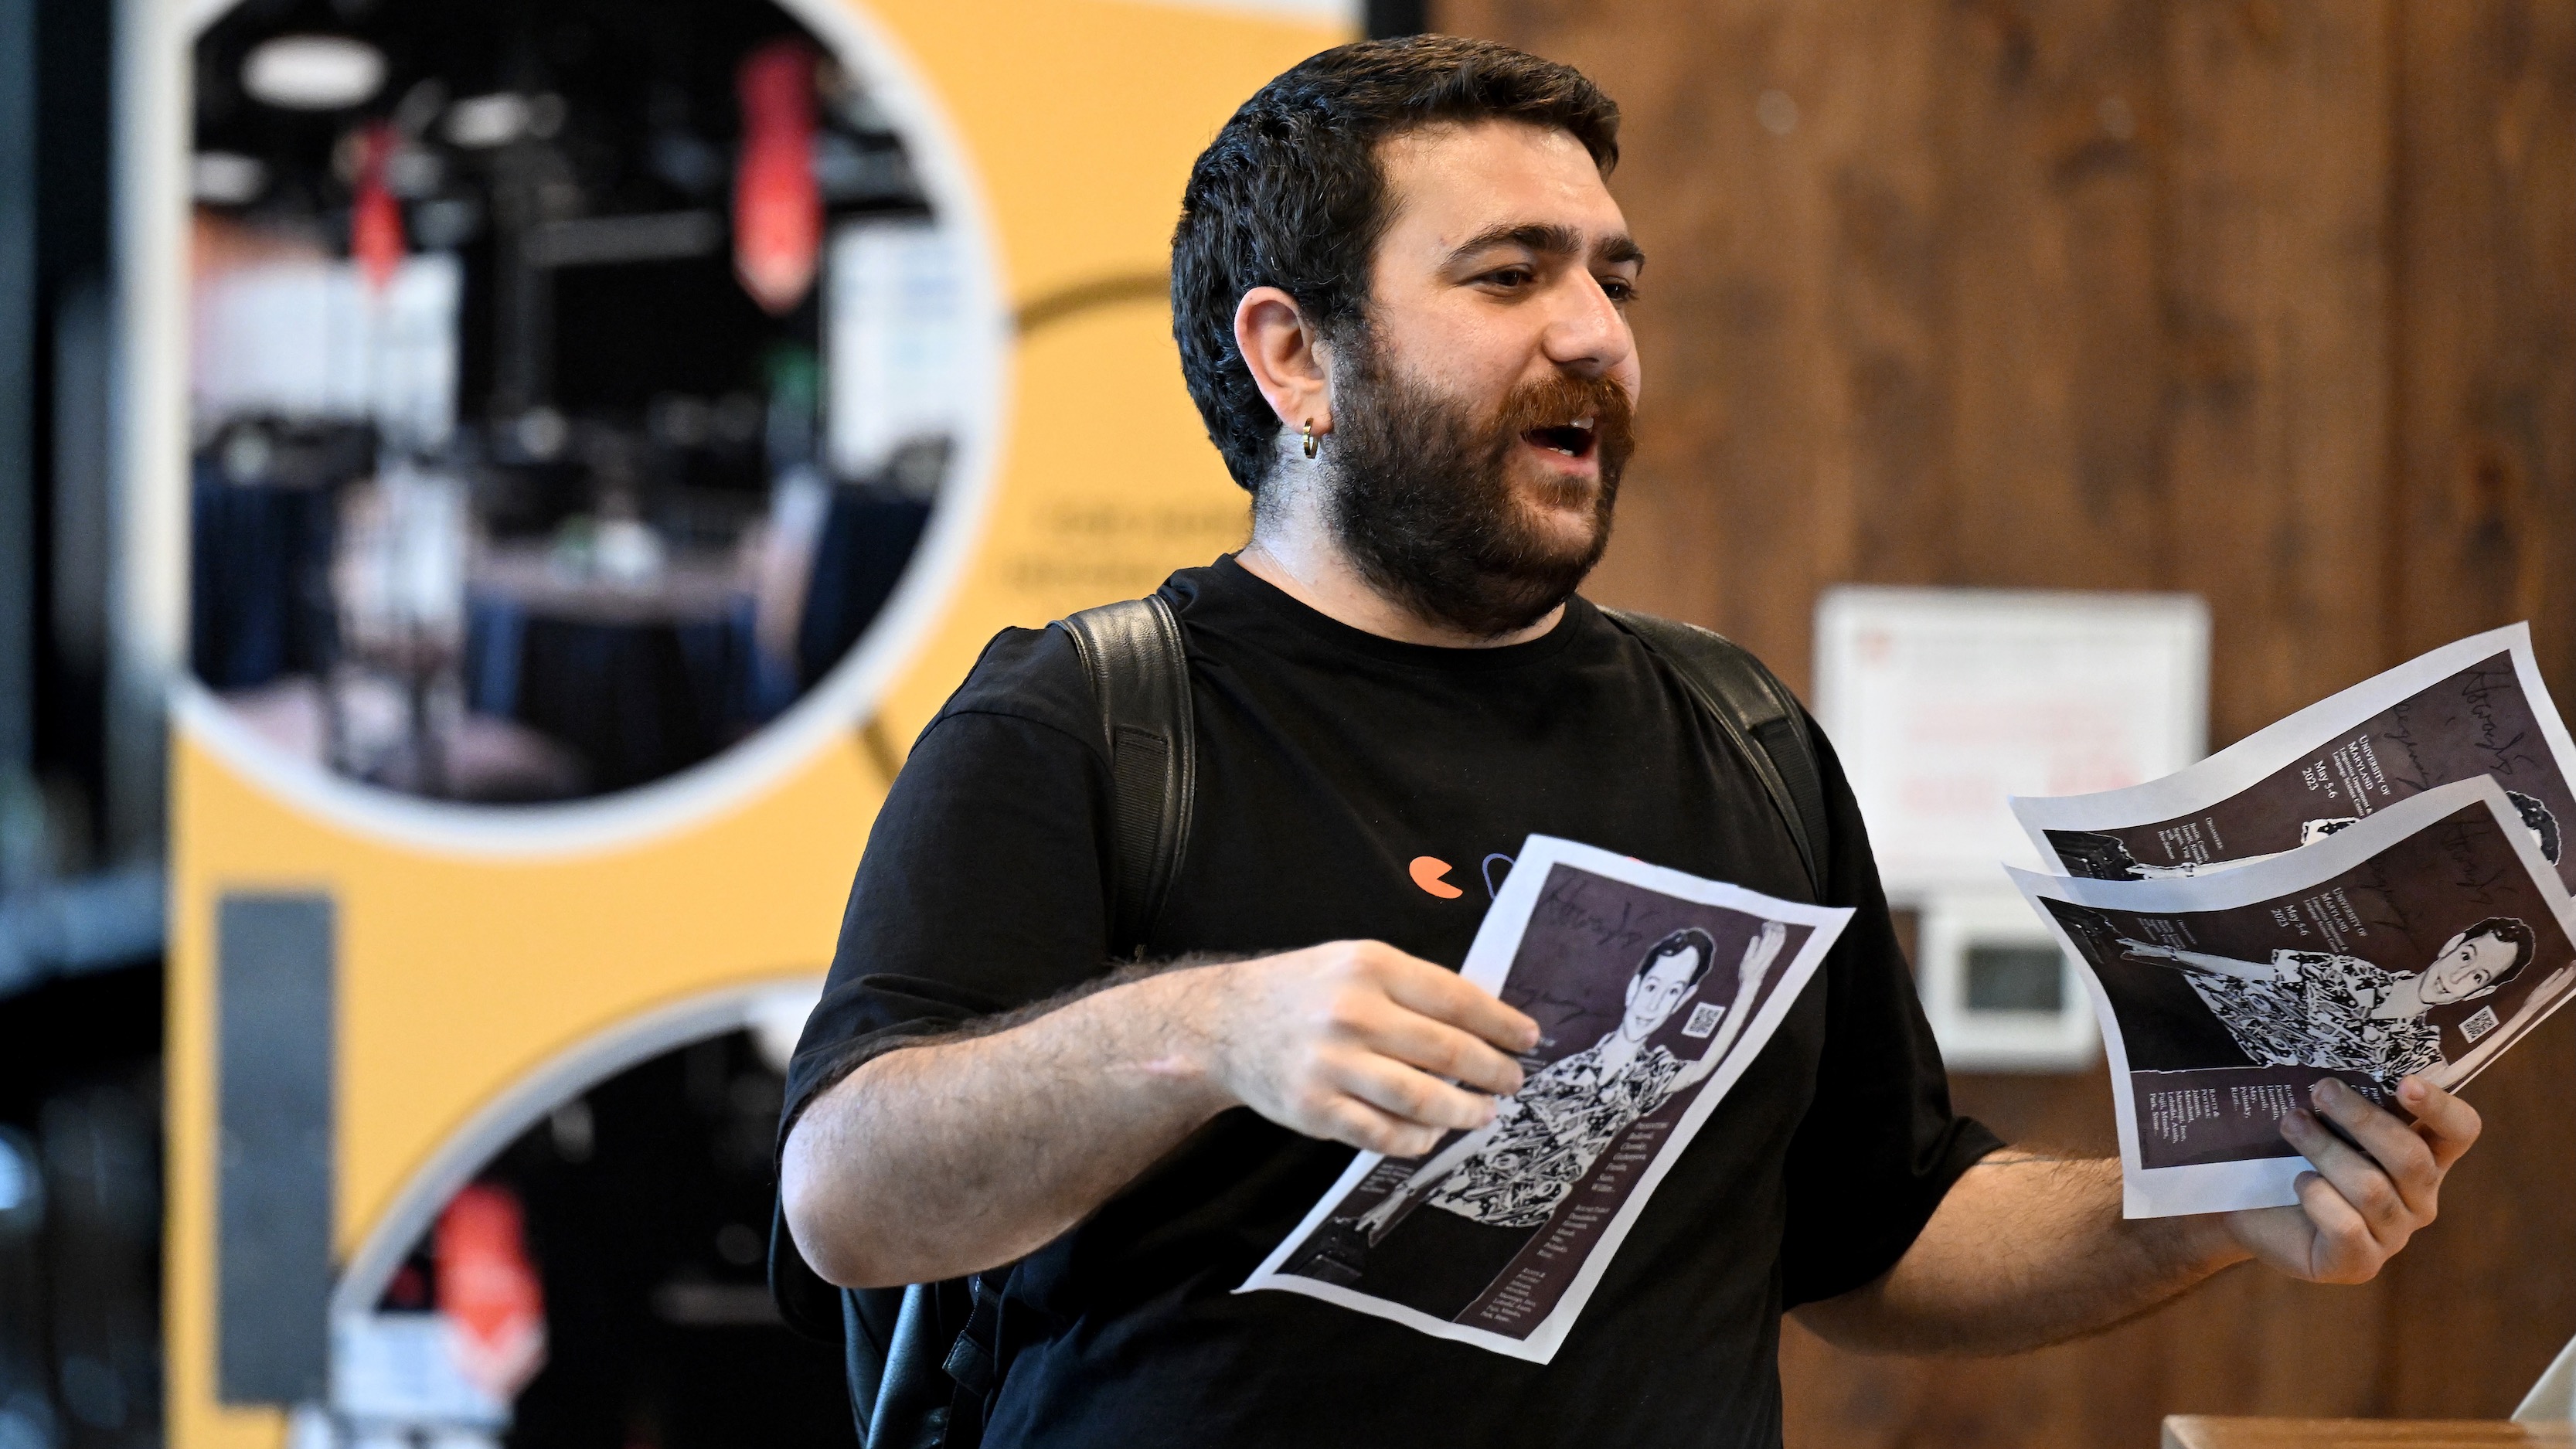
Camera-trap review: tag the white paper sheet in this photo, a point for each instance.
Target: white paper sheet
(2349, 929)
(1943, 702)
(2476, 707)
(1502, 1248)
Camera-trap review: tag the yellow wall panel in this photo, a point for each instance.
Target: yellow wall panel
(461, 973)
(1084, 115)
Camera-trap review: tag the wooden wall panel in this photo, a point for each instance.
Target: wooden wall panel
(2487, 144)
(2275, 280)
(2485, 211)
(2271, 300)
(2049, 225)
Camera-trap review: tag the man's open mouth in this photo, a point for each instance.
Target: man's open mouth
(1574, 440)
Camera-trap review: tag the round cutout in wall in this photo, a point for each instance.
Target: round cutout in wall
(584, 1263)
(579, 404)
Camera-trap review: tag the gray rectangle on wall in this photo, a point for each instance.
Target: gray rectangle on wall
(273, 1194)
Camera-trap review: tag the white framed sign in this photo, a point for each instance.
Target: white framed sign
(1945, 703)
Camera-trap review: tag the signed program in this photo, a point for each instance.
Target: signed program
(1652, 990)
(2373, 888)
(2473, 708)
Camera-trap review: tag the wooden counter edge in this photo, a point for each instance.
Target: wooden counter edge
(2201, 1431)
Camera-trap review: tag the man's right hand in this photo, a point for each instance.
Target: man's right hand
(1351, 1041)
(951, 1156)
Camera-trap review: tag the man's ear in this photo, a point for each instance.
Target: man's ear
(1286, 359)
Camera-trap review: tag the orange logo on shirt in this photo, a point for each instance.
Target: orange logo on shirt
(1427, 872)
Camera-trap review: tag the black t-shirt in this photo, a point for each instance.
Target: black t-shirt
(1329, 760)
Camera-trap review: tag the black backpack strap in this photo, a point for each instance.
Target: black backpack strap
(1140, 674)
(911, 1404)
(924, 1360)
(1761, 719)
(869, 1317)
(974, 1364)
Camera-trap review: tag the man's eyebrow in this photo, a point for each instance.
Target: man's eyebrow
(1548, 239)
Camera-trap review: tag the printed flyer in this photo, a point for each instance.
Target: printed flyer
(2427, 937)
(1652, 990)
(2476, 707)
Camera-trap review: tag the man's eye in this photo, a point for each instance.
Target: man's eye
(1619, 289)
(1510, 277)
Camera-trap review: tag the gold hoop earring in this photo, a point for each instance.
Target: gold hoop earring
(1310, 437)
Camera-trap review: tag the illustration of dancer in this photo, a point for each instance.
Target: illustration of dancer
(2097, 856)
(1495, 1185)
(2329, 1009)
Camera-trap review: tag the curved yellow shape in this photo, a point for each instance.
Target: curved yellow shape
(458, 975)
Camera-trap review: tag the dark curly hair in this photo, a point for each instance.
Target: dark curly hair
(1688, 938)
(1290, 195)
(2537, 819)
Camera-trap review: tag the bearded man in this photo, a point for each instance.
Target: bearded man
(1400, 287)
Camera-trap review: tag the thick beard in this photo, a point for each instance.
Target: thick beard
(1419, 490)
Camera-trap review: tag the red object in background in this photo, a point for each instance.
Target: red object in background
(488, 1289)
(375, 220)
(777, 209)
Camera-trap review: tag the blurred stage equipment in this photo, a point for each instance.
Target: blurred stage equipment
(565, 465)
(313, 72)
(1944, 702)
(777, 209)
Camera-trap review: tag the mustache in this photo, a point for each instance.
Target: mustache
(1562, 399)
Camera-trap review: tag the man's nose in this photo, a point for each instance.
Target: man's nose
(1588, 334)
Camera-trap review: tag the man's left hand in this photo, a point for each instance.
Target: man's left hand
(2359, 1206)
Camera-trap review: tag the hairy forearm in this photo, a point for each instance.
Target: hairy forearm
(2025, 1251)
(958, 1154)
(948, 1158)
